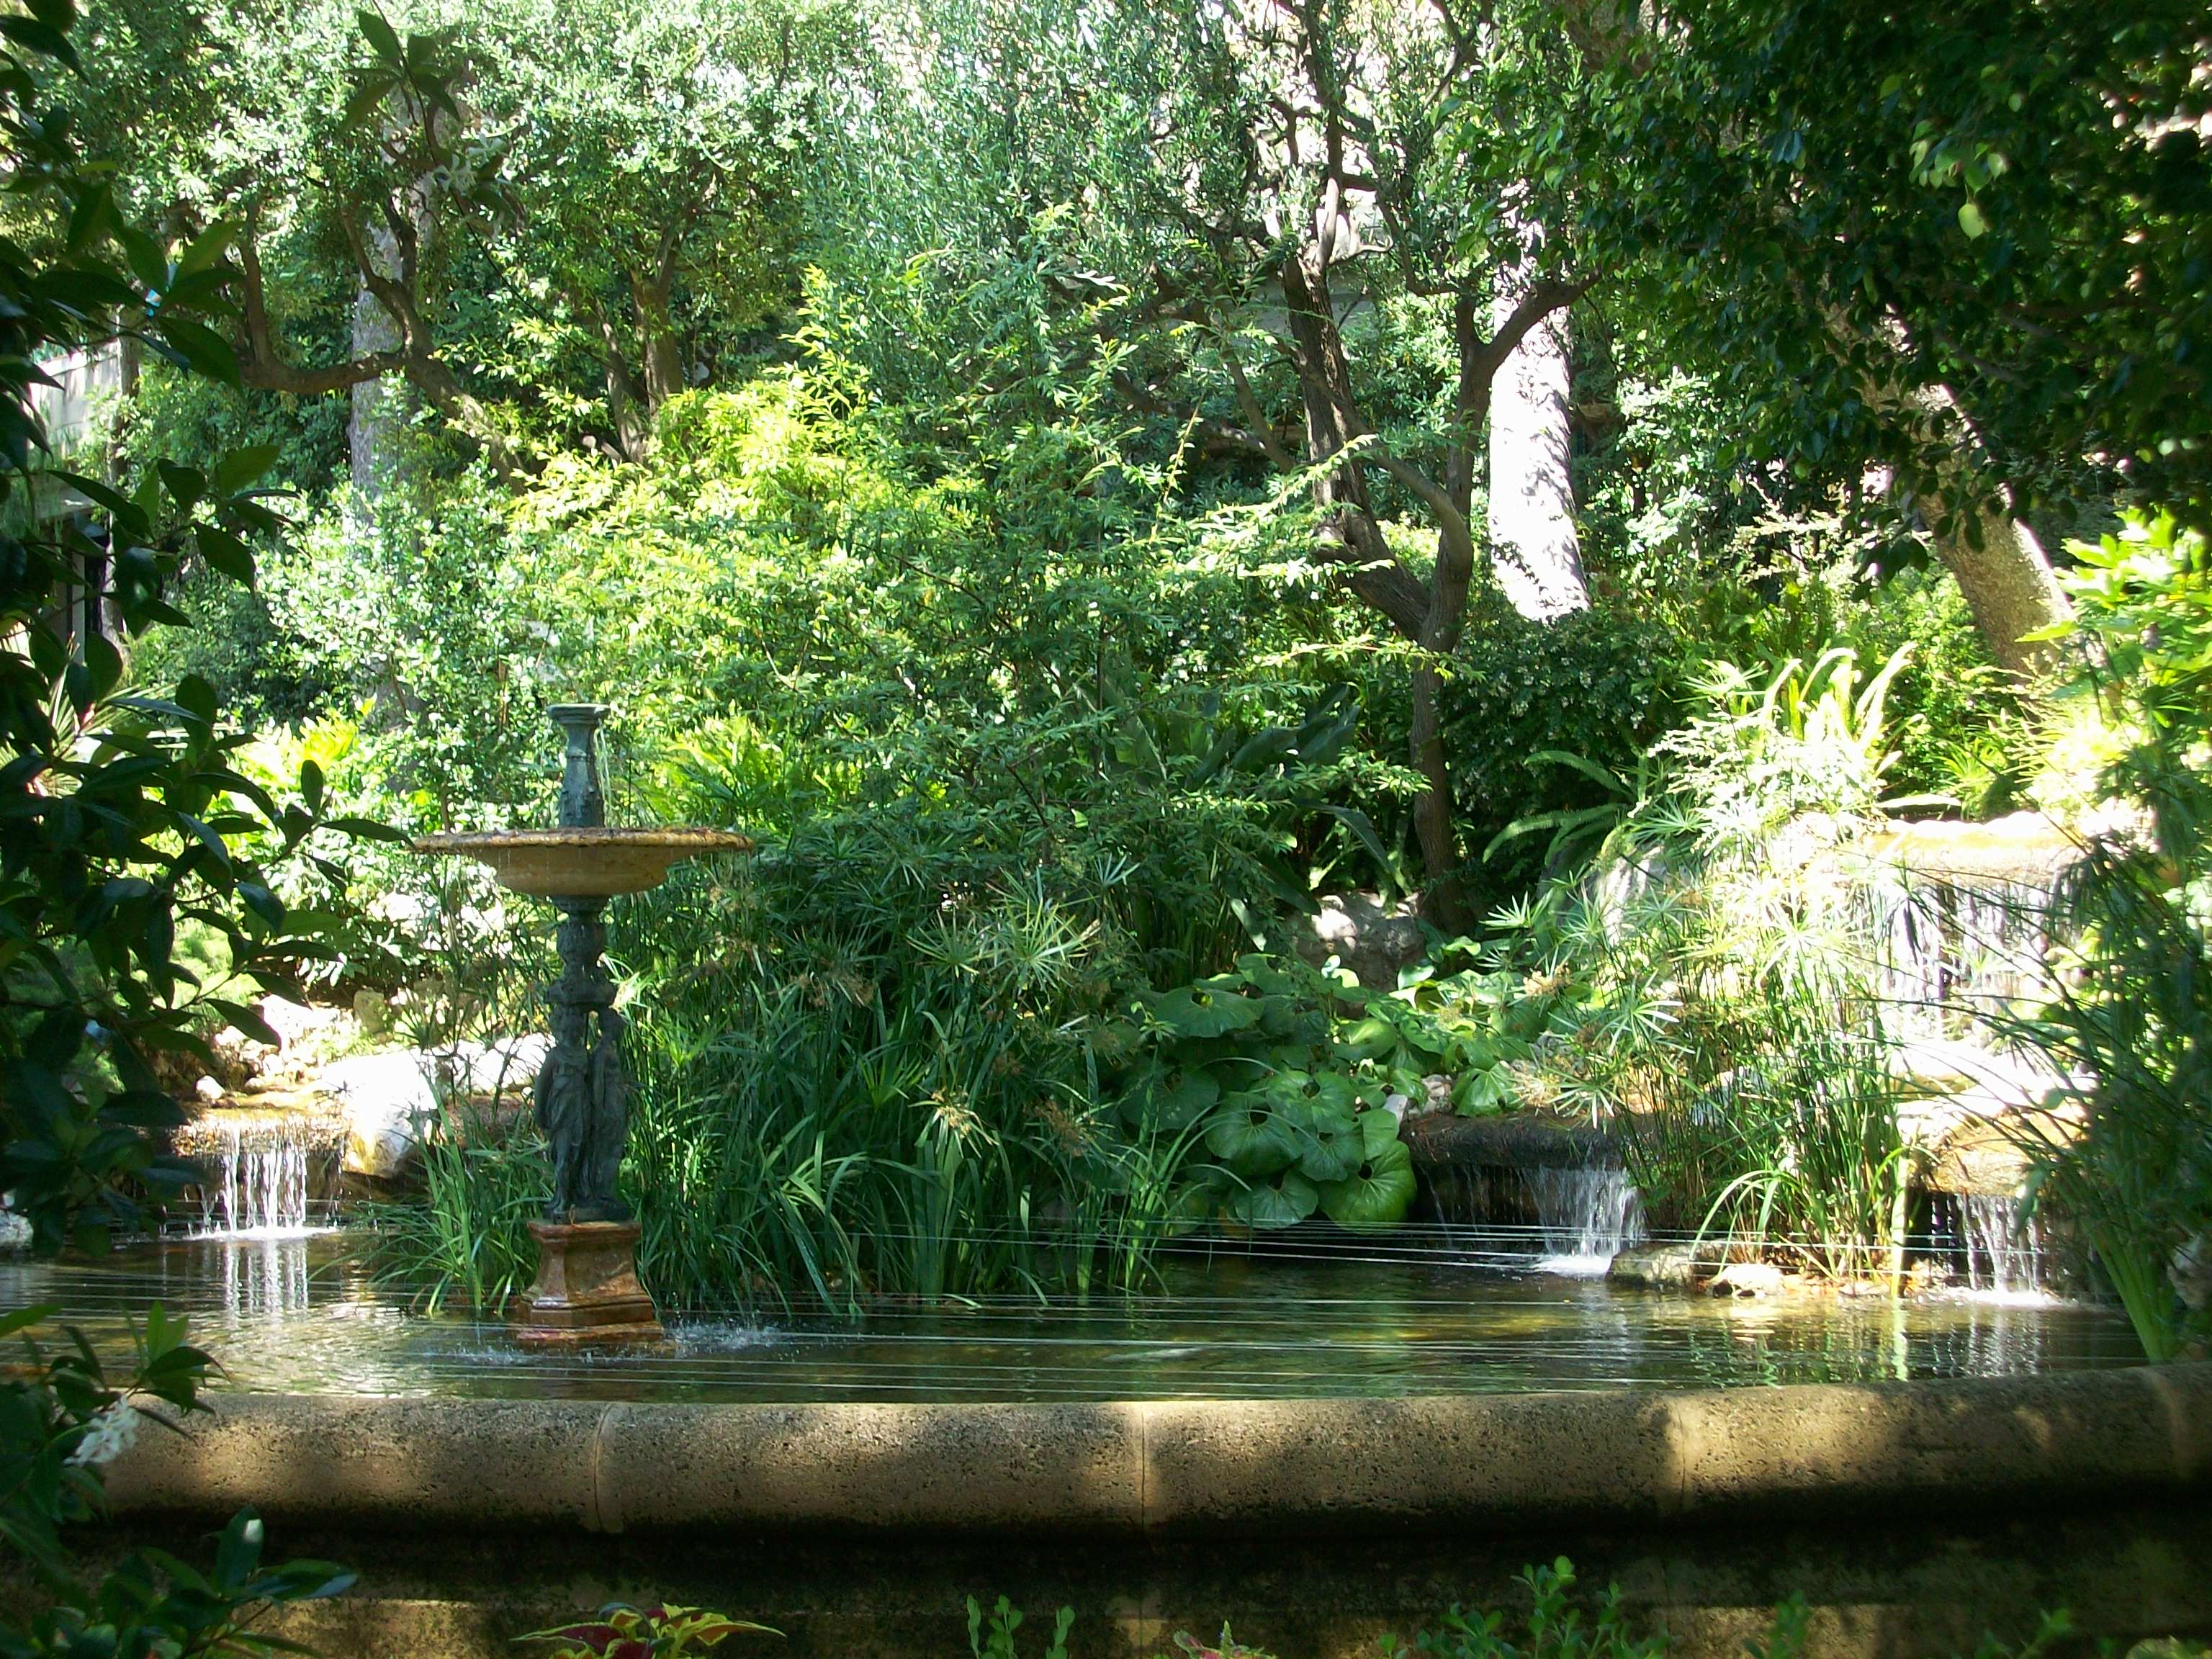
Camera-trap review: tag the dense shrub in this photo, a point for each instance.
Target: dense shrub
(1601, 684)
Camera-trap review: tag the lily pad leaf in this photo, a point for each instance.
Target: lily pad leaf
(1378, 1128)
(1200, 1011)
(1483, 1094)
(1264, 975)
(1168, 1097)
(1332, 1144)
(1375, 1194)
(1370, 1038)
(1300, 1093)
(1282, 1199)
(1247, 1133)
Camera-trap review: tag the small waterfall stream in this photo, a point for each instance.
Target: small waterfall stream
(257, 1185)
(2001, 1251)
(1588, 1215)
(1565, 1218)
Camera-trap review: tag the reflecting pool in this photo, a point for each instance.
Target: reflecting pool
(301, 1315)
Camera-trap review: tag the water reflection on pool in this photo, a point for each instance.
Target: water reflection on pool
(300, 1315)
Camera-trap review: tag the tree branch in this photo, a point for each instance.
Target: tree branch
(262, 365)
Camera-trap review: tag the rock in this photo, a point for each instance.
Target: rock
(1438, 1088)
(2191, 1272)
(1747, 1279)
(1515, 1140)
(373, 1014)
(1372, 943)
(388, 1097)
(1660, 1267)
(209, 1089)
(1984, 1140)
(14, 1231)
(293, 1020)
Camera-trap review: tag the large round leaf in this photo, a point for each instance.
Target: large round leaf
(1378, 1127)
(1247, 1132)
(1300, 1093)
(1201, 1011)
(1282, 1199)
(1168, 1097)
(1375, 1194)
(1331, 1144)
(1370, 1038)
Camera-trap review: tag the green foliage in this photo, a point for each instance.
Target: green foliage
(1555, 1629)
(123, 823)
(1601, 684)
(992, 1635)
(1720, 1008)
(1556, 1626)
(1282, 1074)
(622, 1631)
(62, 1420)
(2130, 1017)
(122, 816)
(1955, 255)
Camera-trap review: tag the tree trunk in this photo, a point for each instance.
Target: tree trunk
(663, 358)
(627, 410)
(1535, 548)
(2007, 580)
(1434, 825)
(381, 405)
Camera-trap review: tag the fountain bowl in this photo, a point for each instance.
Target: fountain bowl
(585, 863)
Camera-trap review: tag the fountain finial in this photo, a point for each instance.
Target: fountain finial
(583, 804)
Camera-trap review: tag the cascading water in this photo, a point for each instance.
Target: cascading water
(257, 1184)
(2000, 1247)
(1961, 913)
(1586, 1215)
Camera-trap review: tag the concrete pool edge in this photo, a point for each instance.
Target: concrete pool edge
(1139, 1467)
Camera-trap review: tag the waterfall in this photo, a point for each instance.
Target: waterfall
(257, 1182)
(1960, 914)
(2001, 1248)
(1587, 1216)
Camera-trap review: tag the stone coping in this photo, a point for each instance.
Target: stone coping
(1327, 1465)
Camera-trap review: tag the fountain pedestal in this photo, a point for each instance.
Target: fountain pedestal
(587, 1292)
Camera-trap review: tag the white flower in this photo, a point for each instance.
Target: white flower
(109, 1438)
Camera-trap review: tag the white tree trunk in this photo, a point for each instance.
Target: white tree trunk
(1536, 550)
(379, 406)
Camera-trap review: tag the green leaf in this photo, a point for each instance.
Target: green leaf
(1971, 220)
(1247, 1132)
(224, 553)
(1282, 1199)
(1201, 1011)
(1375, 1194)
(243, 466)
(198, 348)
(22, 1319)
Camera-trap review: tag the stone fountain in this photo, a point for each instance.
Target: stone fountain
(586, 1291)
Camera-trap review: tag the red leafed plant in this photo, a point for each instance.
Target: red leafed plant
(628, 1633)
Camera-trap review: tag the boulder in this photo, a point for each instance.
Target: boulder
(388, 1097)
(1371, 943)
(1512, 1140)
(1659, 1266)
(1747, 1279)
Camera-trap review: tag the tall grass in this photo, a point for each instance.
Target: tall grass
(837, 1099)
(1726, 1011)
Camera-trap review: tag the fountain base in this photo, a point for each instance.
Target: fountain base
(587, 1294)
